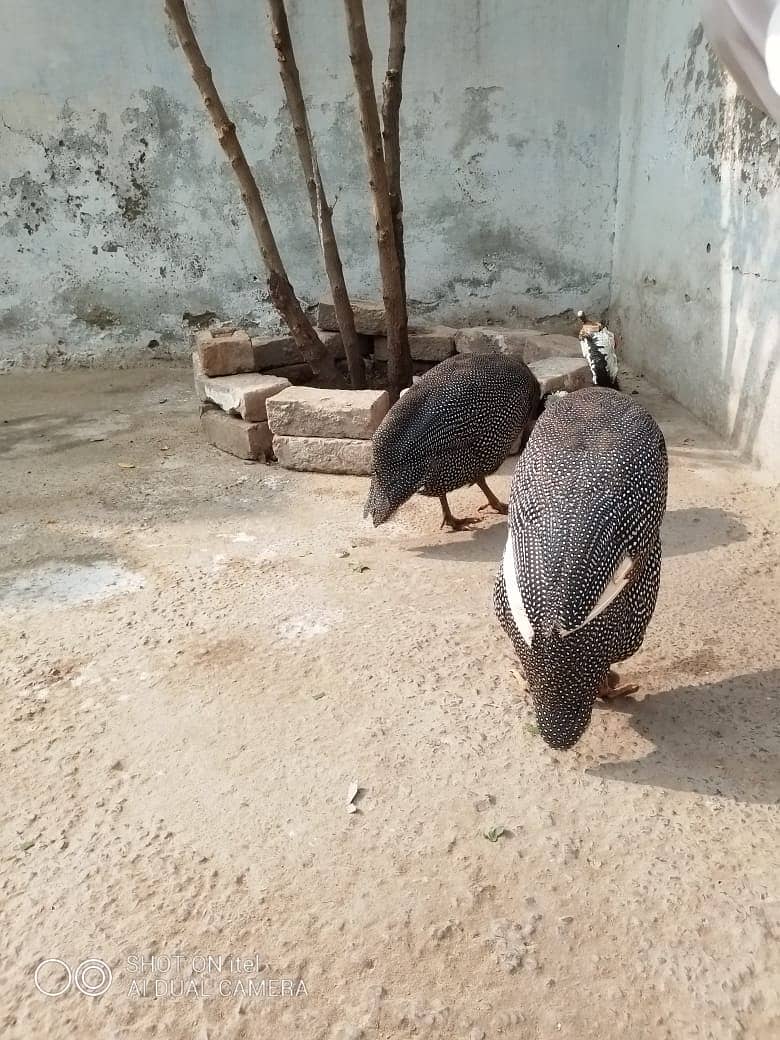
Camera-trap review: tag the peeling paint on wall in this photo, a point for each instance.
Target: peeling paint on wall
(119, 215)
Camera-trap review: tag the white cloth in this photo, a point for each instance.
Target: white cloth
(746, 36)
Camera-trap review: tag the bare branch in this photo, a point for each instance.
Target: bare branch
(399, 368)
(281, 291)
(391, 131)
(320, 210)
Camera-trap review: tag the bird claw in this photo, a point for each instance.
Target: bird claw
(610, 688)
(459, 523)
(500, 507)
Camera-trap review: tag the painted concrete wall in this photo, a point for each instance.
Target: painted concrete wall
(119, 218)
(696, 278)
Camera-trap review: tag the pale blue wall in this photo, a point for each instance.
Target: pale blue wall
(117, 213)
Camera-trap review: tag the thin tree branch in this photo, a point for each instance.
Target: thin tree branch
(320, 210)
(391, 131)
(281, 291)
(399, 367)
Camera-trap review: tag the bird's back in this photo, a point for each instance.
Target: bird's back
(589, 491)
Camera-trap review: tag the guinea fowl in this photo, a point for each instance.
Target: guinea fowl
(598, 348)
(452, 428)
(579, 578)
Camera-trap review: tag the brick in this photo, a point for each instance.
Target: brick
(553, 345)
(198, 376)
(324, 454)
(435, 343)
(244, 439)
(369, 316)
(307, 411)
(274, 351)
(244, 395)
(561, 373)
(297, 374)
(529, 344)
(225, 353)
(493, 339)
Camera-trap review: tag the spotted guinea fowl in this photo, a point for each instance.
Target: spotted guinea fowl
(597, 344)
(452, 428)
(579, 578)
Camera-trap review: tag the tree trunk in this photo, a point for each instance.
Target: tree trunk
(281, 292)
(391, 131)
(320, 210)
(399, 366)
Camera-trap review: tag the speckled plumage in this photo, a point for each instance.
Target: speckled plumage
(585, 510)
(452, 428)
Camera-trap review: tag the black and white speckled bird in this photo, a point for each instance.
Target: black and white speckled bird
(598, 348)
(579, 578)
(452, 428)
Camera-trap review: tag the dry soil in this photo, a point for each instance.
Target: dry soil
(202, 657)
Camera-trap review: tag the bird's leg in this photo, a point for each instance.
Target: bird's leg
(610, 688)
(493, 502)
(453, 521)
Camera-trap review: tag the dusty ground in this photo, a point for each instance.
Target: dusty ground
(200, 656)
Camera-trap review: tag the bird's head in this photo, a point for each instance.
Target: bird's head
(390, 488)
(564, 680)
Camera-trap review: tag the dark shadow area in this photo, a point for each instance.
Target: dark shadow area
(485, 542)
(720, 739)
(685, 531)
(697, 529)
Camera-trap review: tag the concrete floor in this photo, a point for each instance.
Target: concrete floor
(199, 657)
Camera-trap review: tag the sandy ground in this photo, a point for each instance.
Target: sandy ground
(201, 656)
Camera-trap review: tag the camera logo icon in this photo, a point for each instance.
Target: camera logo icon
(54, 977)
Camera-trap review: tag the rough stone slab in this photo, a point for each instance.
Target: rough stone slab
(274, 351)
(296, 374)
(528, 344)
(430, 344)
(369, 316)
(278, 351)
(556, 345)
(324, 454)
(198, 376)
(225, 353)
(244, 395)
(307, 411)
(493, 339)
(244, 439)
(561, 373)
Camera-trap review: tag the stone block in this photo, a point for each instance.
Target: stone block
(198, 376)
(274, 351)
(307, 411)
(561, 373)
(528, 344)
(224, 353)
(324, 454)
(297, 374)
(246, 440)
(244, 395)
(553, 345)
(369, 316)
(493, 339)
(435, 343)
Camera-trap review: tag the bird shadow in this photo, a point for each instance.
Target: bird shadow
(684, 532)
(718, 739)
(482, 543)
(697, 529)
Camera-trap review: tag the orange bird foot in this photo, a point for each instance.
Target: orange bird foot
(610, 688)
